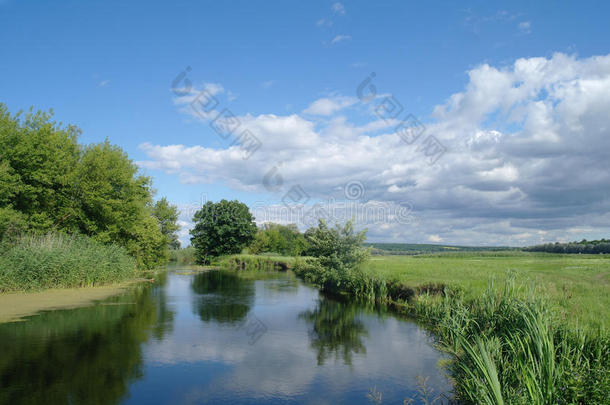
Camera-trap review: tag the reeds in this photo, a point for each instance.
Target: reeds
(59, 260)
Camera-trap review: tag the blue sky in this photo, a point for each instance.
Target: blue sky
(108, 67)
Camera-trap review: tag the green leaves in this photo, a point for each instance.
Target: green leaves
(276, 238)
(221, 228)
(167, 216)
(49, 182)
(339, 247)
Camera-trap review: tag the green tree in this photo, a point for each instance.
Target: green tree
(337, 248)
(167, 215)
(283, 239)
(50, 182)
(116, 204)
(37, 161)
(221, 228)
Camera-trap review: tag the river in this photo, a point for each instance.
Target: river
(218, 337)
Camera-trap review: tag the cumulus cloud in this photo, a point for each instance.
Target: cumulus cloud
(527, 156)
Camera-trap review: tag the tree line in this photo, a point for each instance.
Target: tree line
(49, 182)
(228, 227)
(584, 247)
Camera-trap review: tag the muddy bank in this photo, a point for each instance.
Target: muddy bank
(14, 306)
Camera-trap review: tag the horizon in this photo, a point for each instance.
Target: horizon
(480, 126)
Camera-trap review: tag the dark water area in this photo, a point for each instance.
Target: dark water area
(217, 337)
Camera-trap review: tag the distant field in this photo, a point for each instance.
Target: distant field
(578, 285)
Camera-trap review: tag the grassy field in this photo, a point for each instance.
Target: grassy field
(577, 285)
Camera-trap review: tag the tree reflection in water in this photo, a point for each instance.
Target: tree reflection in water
(336, 330)
(80, 356)
(222, 296)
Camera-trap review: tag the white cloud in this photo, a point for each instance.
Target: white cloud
(338, 8)
(435, 238)
(525, 27)
(103, 83)
(340, 38)
(323, 22)
(267, 84)
(528, 151)
(329, 105)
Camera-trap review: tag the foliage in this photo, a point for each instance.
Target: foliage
(276, 238)
(12, 224)
(583, 247)
(336, 248)
(37, 161)
(167, 215)
(509, 348)
(221, 228)
(48, 182)
(182, 256)
(59, 260)
(117, 204)
(256, 262)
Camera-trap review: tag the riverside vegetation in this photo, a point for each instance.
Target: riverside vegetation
(73, 214)
(511, 343)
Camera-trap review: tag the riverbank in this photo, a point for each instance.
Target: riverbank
(17, 305)
(509, 341)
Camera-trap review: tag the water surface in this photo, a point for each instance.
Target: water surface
(217, 337)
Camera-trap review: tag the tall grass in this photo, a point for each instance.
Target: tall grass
(510, 348)
(59, 260)
(256, 262)
(182, 256)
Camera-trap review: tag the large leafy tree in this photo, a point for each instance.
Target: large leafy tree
(50, 182)
(116, 203)
(221, 228)
(167, 215)
(37, 161)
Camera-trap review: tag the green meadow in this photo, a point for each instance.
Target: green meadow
(577, 286)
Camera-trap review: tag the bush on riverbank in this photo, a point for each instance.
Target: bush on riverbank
(59, 260)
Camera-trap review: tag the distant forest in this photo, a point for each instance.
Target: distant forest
(584, 246)
(416, 248)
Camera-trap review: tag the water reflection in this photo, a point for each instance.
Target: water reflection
(181, 342)
(222, 296)
(336, 330)
(80, 356)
